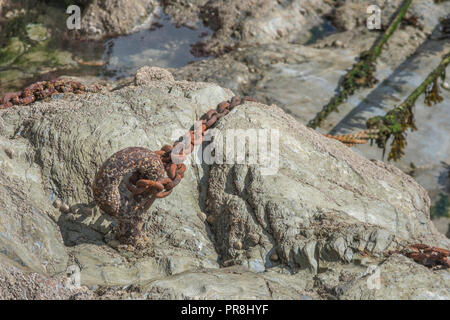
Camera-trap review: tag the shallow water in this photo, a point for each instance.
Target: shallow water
(158, 43)
(321, 31)
(166, 46)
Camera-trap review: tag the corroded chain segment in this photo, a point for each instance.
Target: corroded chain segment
(41, 90)
(173, 156)
(136, 161)
(432, 257)
(355, 138)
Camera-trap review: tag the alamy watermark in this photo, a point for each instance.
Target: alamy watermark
(74, 20)
(232, 146)
(73, 273)
(374, 20)
(374, 278)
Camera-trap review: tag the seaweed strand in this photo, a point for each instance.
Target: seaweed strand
(401, 118)
(362, 73)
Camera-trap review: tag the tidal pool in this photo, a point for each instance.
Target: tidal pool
(163, 45)
(158, 42)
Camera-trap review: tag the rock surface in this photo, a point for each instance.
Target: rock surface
(106, 18)
(325, 212)
(19, 283)
(302, 78)
(240, 23)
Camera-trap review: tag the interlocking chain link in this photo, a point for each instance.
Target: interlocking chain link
(173, 156)
(41, 90)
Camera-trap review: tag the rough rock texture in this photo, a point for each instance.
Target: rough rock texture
(106, 18)
(327, 211)
(351, 14)
(399, 280)
(27, 234)
(319, 191)
(239, 23)
(19, 283)
(302, 78)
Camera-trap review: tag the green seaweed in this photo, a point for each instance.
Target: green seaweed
(441, 208)
(398, 120)
(362, 73)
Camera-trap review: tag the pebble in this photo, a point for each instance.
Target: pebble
(237, 245)
(273, 257)
(64, 208)
(57, 203)
(114, 243)
(211, 219)
(445, 85)
(338, 43)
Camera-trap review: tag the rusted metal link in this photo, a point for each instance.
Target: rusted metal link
(41, 90)
(432, 257)
(172, 156)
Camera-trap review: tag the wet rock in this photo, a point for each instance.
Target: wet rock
(103, 18)
(239, 23)
(11, 51)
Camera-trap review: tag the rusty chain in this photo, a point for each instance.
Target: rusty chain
(41, 90)
(173, 156)
(431, 257)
